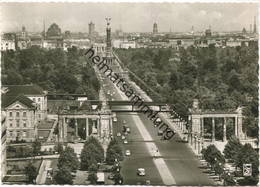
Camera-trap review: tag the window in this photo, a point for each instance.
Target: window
(39, 99)
(24, 133)
(24, 124)
(24, 114)
(11, 133)
(10, 114)
(33, 99)
(11, 125)
(39, 115)
(17, 114)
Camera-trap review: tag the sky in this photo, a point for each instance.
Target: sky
(133, 17)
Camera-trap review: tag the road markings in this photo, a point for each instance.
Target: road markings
(160, 164)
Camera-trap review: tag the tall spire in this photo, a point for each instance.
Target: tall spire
(43, 32)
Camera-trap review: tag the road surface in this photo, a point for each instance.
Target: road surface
(181, 163)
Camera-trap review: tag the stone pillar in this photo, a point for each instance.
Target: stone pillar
(213, 130)
(98, 127)
(236, 126)
(239, 127)
(110, 125)
(224, 130)
(202, 127)
(64, 124)
(199, 146)
(87, 134)
(195, 142)
(76, 127)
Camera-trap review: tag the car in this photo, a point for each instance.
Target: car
(115, 119)
(148, 182)
(111, 176)
(141, 171)
(127, 153)
(125, 142)
(160, 133)
(123, 137)
(118, 134)
(128, 130)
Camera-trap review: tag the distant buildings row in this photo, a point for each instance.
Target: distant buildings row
(54, 38)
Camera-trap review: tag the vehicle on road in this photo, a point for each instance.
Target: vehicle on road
(141, 172)
(125, 142)
(147, 182)
(114, 119)
(123, 137)
(127, 153)
(111, 176)
(160, 133)
(128, 129)
(118, 134)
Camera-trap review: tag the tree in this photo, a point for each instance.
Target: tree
(93, 167)
(31, 173)
(232, 148)
(248, 155)
(36, 147)
(114, 151)
(90, 154)
(69, 159)
(92, 177)
(118, 178)
(58, 148)
(212, 155)
(63, 176)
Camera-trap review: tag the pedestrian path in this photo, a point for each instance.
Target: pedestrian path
(43, 171)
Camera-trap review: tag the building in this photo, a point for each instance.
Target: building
(32, 92)
(124, 44)
(155, 28)
(255, 30)
(91, 29)
(3, 144)
(8, 41)
(208, 33)
(20, 118)
(7, 45)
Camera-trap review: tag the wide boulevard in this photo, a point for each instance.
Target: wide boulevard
(168, 162)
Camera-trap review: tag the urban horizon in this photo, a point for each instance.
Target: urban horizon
(219, 18)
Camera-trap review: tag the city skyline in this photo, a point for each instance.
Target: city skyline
(131, 17)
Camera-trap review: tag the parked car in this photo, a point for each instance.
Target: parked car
(111, 176)
(141, 171)
(128, 130)
(127, 153)
(118, 134)
(123, 137)
(160, 133)
(125, 142)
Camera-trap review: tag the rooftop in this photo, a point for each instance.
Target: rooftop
(29, 89)
(7, 100)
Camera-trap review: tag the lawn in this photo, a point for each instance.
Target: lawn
(18, 167)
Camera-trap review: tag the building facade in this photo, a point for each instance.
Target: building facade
(155, 28)
(3, 144)
(21, 123)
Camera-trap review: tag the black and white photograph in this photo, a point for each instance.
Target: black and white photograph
(152, 93)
